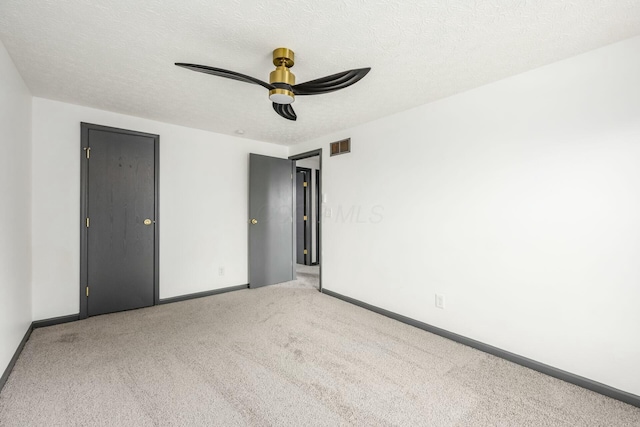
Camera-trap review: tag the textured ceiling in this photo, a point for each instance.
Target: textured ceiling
(118, 55)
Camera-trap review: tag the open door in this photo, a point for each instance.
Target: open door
(303, 216)
(271, 226)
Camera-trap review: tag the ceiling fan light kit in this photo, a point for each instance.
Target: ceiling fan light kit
(282, 82)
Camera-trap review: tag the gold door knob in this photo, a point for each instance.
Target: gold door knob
(254, 221)
(147, 221)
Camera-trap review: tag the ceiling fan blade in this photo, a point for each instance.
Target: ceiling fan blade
(331, 83)
(224, 73)
(285, 110)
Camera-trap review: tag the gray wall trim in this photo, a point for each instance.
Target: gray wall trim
(12, 362)
(55, 321)
(34, 325)
(603, 389)
(202, 294)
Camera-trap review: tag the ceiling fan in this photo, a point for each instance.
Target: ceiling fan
(282, 83)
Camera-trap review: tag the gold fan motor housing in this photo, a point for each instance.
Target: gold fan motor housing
(282, 75)
(283, 59)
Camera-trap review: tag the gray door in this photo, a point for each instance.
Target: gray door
(121, 227)
(270, 220)
(303, 216)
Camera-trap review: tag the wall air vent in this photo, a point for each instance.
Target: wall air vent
(341, 147)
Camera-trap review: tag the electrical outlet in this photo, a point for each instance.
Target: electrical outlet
(440, 301)
(221, 271)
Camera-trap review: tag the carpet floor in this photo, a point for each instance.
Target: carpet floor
(283, 355)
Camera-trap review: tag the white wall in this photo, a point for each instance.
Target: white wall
(312, 163)
(519, 201)
(203, 204)
(15, 208)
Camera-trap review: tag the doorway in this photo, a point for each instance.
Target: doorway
(119, 242)
(308, 205)
(271, 222)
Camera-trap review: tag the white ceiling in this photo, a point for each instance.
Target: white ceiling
(118, 55)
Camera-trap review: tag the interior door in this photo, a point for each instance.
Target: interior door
(271, 227)
(303, 216)
(301, 179)
(120, 219)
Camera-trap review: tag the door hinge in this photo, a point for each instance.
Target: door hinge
(304, 184)
(291, 177)
(305, 217)
(305, 252)
(87, 291)
(87, 222)
(87, 151)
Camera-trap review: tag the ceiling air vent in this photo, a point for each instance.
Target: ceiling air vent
(341, 147)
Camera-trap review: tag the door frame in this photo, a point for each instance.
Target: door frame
(317, 221)
(307, 212)
(305, 155)
(84, 200)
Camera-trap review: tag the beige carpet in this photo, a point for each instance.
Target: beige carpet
(283, 355)
(307, 276)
